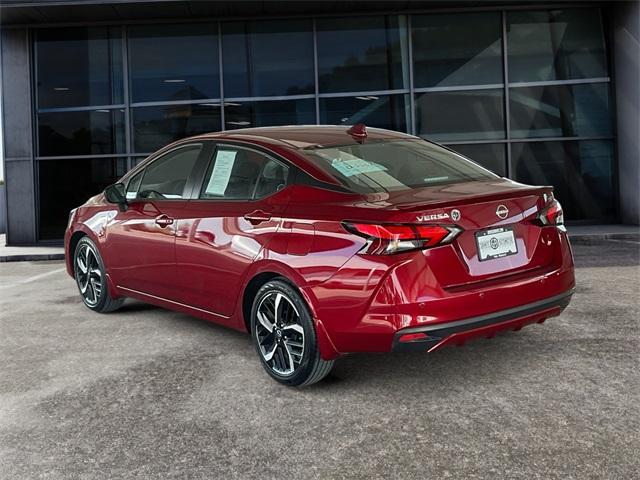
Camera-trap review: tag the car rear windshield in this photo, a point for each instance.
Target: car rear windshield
(391, 165)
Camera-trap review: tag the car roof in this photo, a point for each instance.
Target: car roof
(295, 137)
(303, 136)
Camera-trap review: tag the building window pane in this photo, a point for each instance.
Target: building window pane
(79, 67)
(269, 113)
(155, 127)
(174, 62)
(360, 54)
(268, 58)
(555, 45)
(580, 171)
(57, 198)
(92, 132)
(489, 155)
(382, 111)
(461, 49)
(460, 115)
(560, 111)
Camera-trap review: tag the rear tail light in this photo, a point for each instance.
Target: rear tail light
(552, 214)
(385, 239)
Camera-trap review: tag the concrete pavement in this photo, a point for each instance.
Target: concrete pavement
(147, 393)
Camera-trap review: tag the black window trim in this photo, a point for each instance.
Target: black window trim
(215, 145)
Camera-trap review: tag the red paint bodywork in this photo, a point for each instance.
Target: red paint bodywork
(203, 263)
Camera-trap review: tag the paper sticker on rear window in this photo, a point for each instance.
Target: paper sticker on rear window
(356, 166)
(219, 179)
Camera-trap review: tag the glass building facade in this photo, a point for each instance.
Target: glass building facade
(525, 93)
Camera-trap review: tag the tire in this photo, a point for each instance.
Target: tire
(91, 279)
(287, 344)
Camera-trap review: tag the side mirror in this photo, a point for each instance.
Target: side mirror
(116, 194)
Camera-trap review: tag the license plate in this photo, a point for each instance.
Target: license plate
(496, 243)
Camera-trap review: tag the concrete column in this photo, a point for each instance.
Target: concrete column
(626, 53)
(18, 136)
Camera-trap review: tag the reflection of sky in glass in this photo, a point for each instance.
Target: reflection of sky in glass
(457, 49)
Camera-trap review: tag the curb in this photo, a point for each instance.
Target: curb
(587, 239)
(32, 257)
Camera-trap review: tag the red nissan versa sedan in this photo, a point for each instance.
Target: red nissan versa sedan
(323, 241)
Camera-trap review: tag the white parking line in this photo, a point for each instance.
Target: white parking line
(633, 242)
(32, 279)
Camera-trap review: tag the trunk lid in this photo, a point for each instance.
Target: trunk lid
(418, 199)
(478, 207)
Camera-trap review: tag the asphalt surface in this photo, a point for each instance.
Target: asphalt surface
(147, 393)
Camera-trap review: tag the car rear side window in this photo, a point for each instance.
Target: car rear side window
(166, 177)
(242, 174)
(395, 165)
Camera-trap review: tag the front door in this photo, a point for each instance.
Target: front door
(237, 211)
(140, 241)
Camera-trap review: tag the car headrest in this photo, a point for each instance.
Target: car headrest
(273, 171)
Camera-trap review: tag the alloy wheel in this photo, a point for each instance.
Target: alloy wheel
(88, 275)
(280, 333)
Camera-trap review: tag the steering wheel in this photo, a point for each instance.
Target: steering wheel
(151, 194)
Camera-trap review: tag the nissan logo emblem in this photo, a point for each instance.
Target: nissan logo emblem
(502, 211)
(455, 215)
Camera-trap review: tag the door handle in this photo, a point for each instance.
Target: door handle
(164, 220)
(257, 216)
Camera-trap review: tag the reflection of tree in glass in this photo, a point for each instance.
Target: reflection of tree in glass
(82, 141)
(155, 127)
(379, 69)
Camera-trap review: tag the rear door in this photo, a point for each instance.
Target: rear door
(140, 242)
(235, 213)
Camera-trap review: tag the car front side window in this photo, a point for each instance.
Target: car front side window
(166, 177)
(133, 185)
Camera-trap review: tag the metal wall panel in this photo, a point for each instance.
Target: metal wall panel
(18, 137)
(21, 213)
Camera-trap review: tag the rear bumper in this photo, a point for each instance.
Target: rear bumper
(432, 337)
(370, 302)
